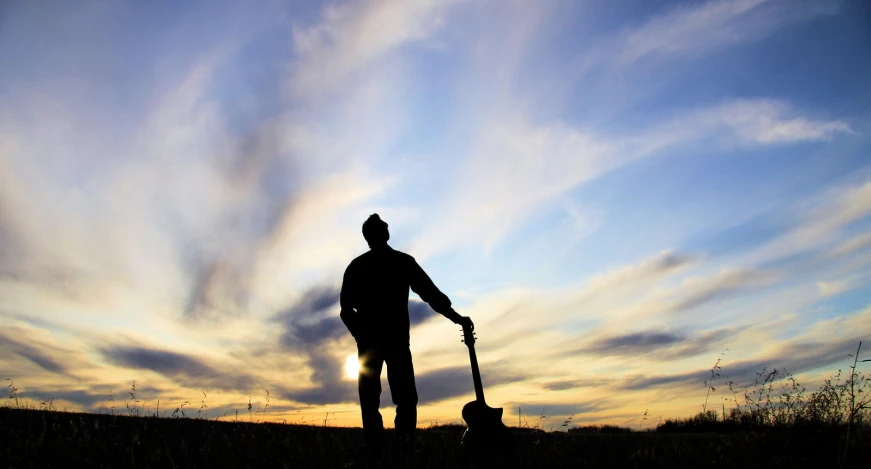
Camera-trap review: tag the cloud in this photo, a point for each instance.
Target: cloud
(27, 253)
(36, 355)
(139, 220)
(692, 30)
(658, 344)
(634, 343)
(328, 385)
(852, 245)
(304, 323)
(218, 289)
(836, 287)
(419, 312)
(84, 398)
(736, 123)
(516, 168)
(187, 370)
(445, 383)
(310, 328)
(576, 383)
(768, 121)
(691, 293)
(39, 347)
(600, 305)
(794, 357)
(314, 319)
(353, 34)
(542, 410)
(824, 217)
(205, 198)
(313, 301)
(595, 298)
(513, 169)
(726, 283)
(652, 268)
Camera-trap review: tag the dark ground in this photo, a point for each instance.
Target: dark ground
(35, 438)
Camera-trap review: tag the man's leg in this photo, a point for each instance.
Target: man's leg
(369, 387)
(400, 375)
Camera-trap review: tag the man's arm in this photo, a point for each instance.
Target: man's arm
(346, 302)
(427, 291)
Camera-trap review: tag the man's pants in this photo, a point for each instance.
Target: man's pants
(400, 376)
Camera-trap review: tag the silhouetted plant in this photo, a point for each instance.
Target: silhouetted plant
(267, 404)
(13, 393)
(567, 421)
(778, 400)
(709, 383)
(540, 419)
(203, 407)
(132, 409)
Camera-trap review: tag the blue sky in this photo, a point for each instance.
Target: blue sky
(615, 192)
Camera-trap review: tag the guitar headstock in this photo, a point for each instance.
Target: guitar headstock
(468, 335)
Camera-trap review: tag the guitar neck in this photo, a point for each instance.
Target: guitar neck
(476, 375)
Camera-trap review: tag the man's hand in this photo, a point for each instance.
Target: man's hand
(466, 321)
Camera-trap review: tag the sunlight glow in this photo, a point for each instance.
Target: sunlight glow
(352, 367)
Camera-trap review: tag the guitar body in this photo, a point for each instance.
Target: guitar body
(485, 427)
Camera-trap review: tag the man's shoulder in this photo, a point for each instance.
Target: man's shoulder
(403, 255)
(379, 257)
(359, 259)
(403, 258)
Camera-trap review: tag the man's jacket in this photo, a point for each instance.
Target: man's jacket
(376, 285)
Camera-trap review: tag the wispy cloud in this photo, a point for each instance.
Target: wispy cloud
(832, 288)
(666, 344)
(795, 358)
(736, 123)
(852, 245)
(185, 369)
(692, 30)
(352, 35)
(836, 287)
(39, 353)
(698, 291)
(513, 169)
(769, 121)
(822, 221)
(517, 168)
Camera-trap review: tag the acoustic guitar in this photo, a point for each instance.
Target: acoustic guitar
(485, 427)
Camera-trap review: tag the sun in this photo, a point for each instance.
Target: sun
(352, 366)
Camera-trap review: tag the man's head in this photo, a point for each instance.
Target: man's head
(375, 231)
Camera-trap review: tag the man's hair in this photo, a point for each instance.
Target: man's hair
(375, 230)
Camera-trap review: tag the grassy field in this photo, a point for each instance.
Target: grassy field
(40, 438)
(774, 423)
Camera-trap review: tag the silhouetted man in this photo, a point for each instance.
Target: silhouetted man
(374, 303)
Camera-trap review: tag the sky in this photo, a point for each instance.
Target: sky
(617, 193)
